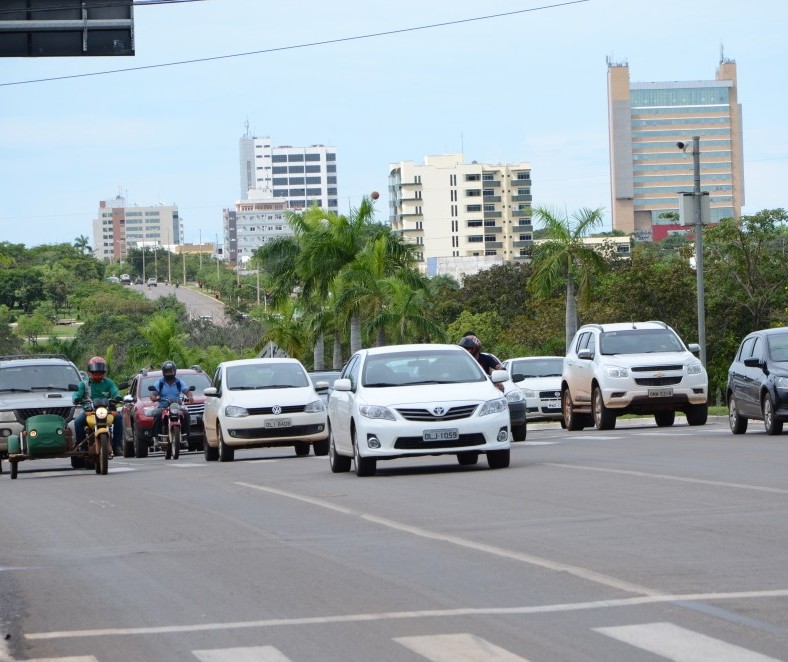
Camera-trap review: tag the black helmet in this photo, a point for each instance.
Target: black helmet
(470, 342)
(168, 369)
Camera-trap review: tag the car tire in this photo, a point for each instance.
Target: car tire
(771, 423)
(140, 443)
(339, 463)
(301, 448)
(498, 459)
(211, 452)
(226, 454)
(604, 418)
(365, 466)
(572, 420)
(737, 422)
(519, 432)
(14, 468)
(467, 459)
(665, 419)
(697, 414)
(320, 447)
(77, 462)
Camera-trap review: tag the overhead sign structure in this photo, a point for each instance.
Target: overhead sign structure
(66, 28)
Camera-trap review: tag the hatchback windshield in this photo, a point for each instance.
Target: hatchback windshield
(199, 381)
(639, 341)
(778, 347)
(270, 375)
(409, 368)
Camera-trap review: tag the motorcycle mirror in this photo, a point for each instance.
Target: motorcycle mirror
(151, 388)
(192, 388)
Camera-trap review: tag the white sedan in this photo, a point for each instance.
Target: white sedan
(413, 400)
(539, 378)
(253, 403)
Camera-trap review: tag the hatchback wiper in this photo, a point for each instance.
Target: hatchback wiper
(15, 390)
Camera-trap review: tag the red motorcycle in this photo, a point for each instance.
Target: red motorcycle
(173, 424)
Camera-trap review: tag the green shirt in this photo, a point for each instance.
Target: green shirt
(105, 389)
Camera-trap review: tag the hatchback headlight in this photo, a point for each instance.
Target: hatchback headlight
(493, 407)
(7, 417)
(617, 372)
(528, 393)
(314, 407)
(515, 395)
(376, 412)
(235, 412)
(695, 368)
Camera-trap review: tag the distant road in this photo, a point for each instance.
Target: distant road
(198, 303)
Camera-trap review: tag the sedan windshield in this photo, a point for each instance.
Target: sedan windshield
(535, 368)
(270, 375)
(409, 368)
(639, 341)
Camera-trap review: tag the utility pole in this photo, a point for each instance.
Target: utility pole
(696, 195)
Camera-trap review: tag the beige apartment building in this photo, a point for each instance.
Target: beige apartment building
(453, 209)
(648, 170)
(118, 227)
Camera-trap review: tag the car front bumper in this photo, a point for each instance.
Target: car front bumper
(252, 431)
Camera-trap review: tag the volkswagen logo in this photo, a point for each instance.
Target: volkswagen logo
(438, 411)
(276, 409)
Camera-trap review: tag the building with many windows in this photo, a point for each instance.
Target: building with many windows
(453, 209)
(119, 227)
(298, 176)
(648, 170)
(251, 223)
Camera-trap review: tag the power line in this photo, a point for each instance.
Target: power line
(312, 44)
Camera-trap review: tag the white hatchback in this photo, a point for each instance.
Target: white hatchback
(254, 403)
(414, 400)
(539, 378)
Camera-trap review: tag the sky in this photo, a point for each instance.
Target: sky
(449, 77)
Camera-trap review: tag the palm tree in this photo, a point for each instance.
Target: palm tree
(564, 257)
(82, 244)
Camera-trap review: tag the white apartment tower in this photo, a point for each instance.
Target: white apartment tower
(119, 227)
(453, 209)
(299, 176)
(251, 223)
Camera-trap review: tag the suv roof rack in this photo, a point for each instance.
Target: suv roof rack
(17, 357)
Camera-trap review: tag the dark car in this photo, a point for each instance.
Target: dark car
(138, 410)
(758, 381)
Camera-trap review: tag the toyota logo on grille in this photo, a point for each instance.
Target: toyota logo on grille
(276, 409)
(439, 411)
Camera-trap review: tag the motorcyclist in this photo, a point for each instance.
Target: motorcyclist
(474, 347)
(169, 387)
(98, 386)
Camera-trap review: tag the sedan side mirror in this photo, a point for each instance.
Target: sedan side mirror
(210, 391)
(343, 385)
(499, 376)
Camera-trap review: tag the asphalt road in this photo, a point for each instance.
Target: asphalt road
(640, 543)
(199, 303)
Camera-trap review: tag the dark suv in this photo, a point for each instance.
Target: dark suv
(32, 384)
(138, 410)
(758, 381)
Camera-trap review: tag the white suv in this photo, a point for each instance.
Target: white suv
(631, 368)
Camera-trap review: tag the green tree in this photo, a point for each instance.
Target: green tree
(82, 244)
(564, 258)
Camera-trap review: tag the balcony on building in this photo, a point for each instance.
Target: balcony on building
(519, 213)
(520, 243)
(492, 214)
(491, 182)
(492, 198)
(522, 198)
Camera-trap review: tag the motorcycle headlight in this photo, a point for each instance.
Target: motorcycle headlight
(101, 412)
(493, 407)
(175, 409)
(149, 411)
(375, 411)
(235, 412)
(314, 407)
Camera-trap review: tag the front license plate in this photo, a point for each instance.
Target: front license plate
(278, 423)
(553, 404)
(450, 434)
(660, 392)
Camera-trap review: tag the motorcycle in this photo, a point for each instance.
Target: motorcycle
(98, 441)
(173, 423)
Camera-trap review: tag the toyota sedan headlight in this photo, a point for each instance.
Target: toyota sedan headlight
(376, 412)
(617, 372)
(695, 368)
(235, 412)
(515, 395)
(493, 407)
(315, 407)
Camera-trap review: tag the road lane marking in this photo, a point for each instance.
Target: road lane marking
(404, 615)
(245, 654)
(679, 644)
(681, 479)
(583, 573)
(458, 648)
